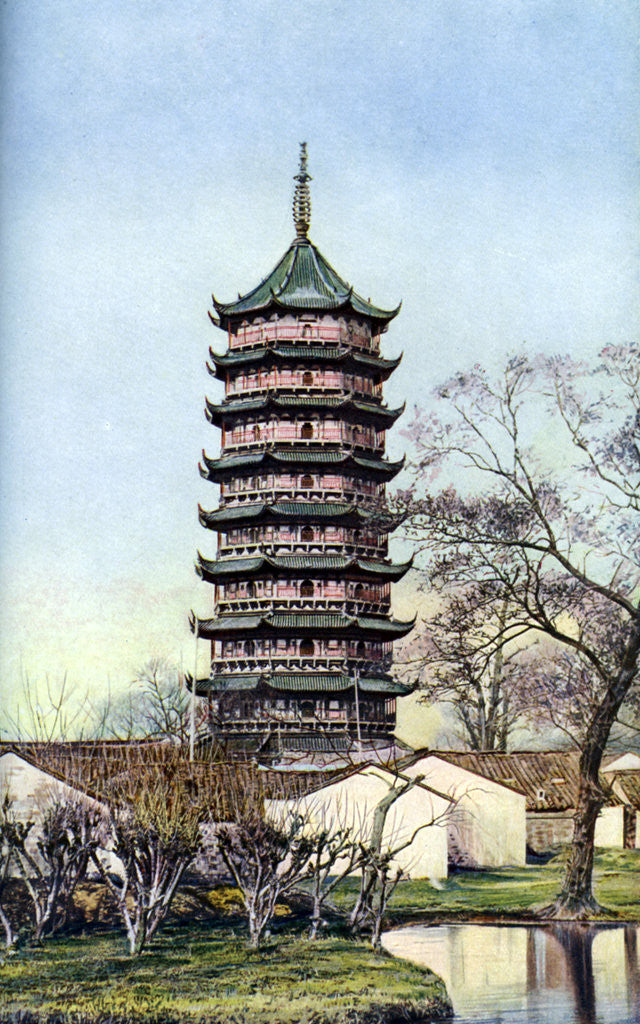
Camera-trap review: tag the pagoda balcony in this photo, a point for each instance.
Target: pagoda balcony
(228, 725)
(232, 446)
(337, 547)
(241, 388)
(237, 605)
(348, 493)
(284, 662)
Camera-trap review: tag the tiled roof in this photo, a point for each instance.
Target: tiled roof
(215, 469)
(301, 682)
(316, 353)
(302, 279)
(309, 564)
(300, 624)
(312, 511)
(626, 784)
(549, 779)
(347, 407)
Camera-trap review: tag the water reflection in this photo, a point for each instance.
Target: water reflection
(557, 974)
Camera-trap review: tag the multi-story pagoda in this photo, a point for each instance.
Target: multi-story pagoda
(301, 636)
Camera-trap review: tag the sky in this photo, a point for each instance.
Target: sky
(476, 159)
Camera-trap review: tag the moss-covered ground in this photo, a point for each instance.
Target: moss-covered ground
(513, 892)
(199, 969)
(206, 973)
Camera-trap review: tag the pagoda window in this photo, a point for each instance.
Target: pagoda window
(251, 589)
(307, 648)
(306, 533)
(256, 433)
(307, 431)
(357, 434)
(358, 590)
(307, 379)
(306, 481)
(306, 588)
(249, 648)
(361, 649)
(306, 331)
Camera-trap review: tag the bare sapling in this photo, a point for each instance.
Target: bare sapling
(155, 821)
(51, 867)
(267, 859)
(13, 835)
(334, 855)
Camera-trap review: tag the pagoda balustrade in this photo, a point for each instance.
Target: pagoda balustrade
(346, 656)
(301, 382)
(285, 329)
(237, 605)
(287, 711)
(305, 590)
(302, 433)
(304, 488)
(335, 546)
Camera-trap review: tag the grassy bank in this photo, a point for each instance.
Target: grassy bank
(513, 892)
(206, 973)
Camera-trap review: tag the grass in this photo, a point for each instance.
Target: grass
(513, 892)
(205, 973)
(199, 969)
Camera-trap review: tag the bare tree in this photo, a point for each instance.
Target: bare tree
(155, 819)
(333, 856)
(267, 861)
(547, 464)
(454, 660)
(155, 706)
(51, 869)
(13, 836)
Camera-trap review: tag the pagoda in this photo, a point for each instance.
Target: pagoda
(301, 636)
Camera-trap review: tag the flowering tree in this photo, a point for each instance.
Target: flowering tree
(540, 475)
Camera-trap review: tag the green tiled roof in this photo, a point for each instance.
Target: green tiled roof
(338, 512)
(302, 280)
(301, 682)
(215, 469)
(295, 353)
(238, 568)
(300, 624)
(346, 407)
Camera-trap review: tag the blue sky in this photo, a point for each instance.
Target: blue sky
(477, 160)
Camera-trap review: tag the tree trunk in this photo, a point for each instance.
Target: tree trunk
(9, 937)
(576, 899)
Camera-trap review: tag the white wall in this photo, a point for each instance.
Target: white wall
(351, 802)
(610, 827)
(31, 789)
(487, 825)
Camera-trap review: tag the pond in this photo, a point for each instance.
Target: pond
(565, 973)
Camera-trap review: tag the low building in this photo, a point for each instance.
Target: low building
(486, 823)
(415, 824)
(550, 782)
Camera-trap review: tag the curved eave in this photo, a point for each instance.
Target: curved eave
(292, 353)
(215, 570)
(299, 682)
(301, 280)
(219, 469)
(291, 624)
(351, 408)
(336, 513)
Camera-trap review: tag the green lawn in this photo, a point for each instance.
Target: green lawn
(514, 891)
(205, 973)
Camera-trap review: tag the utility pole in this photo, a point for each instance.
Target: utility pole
(357, 686)
(192, 730)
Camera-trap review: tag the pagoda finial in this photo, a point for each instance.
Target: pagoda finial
(302, 196)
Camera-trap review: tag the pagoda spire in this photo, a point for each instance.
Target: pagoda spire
(302, 197)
